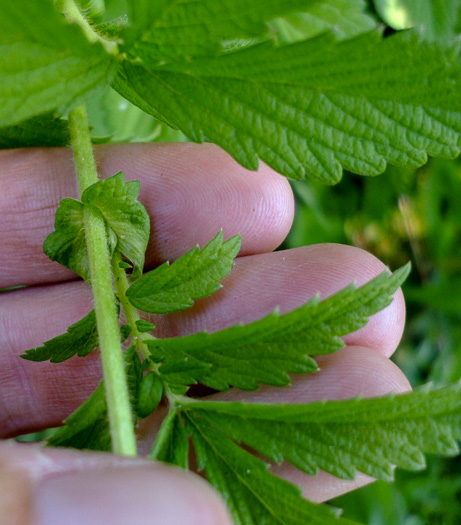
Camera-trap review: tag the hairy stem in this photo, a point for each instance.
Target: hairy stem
(131, 313)
(74, 16)
(115, 382)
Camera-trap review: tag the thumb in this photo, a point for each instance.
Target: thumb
(53, 486)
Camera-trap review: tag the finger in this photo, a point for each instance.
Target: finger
(46, 393)
(190, 191)
(350, 372)
(52, 487)
(353, 371)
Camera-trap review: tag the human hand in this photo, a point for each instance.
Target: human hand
(190, 192)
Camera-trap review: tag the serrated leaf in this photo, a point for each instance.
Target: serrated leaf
(265, 351)
(66, 245)
(340, 437)
(45, 130)
(81, 339)
(144, 326)
(253, 495)
(187, 371)
(172, 442)
(200, 27)
(45, 63)
(88, 426)
(170, 288)
(124, 215)
(346, 18)
(314, 107)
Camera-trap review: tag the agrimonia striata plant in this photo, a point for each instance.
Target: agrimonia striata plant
(237, 74)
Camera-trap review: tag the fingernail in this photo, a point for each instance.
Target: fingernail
(157, 495)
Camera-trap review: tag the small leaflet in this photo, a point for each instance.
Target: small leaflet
(66, 245)
(150, 393)
(172, 442)
(80, 339)
(197, 274)
(342, 437)
(253, 494)
(126, 219)
(144, 326)
(124, 215)
(267, 350)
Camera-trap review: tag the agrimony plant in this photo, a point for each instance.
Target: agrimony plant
(264, 80)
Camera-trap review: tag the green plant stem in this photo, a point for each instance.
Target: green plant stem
(74, 16)
(115, 382)
(132, 315)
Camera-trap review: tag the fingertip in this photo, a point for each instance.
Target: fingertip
(144, 495)
(47, 486)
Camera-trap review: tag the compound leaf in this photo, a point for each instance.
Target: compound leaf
(45, 63)
(88, 426)
(81, 339)
(117, 201)
(313, 107)
(193, 276)
(341, 437)
(253, 494)
(266, 350)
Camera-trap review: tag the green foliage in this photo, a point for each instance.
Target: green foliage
(144, 326)
(66, 245)
(253, 494)
(149, 395)
(193, 276)
(340, 437)
(126, 218)
(188, 28)
(266, 350)
(172, 442)
(81, 339)
(307, 88)
(124, 215)
(368, 102)
(44, 130)
(45, 63)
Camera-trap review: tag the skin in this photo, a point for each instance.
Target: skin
(191, 192)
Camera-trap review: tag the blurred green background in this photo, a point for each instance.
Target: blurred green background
(399, 216)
